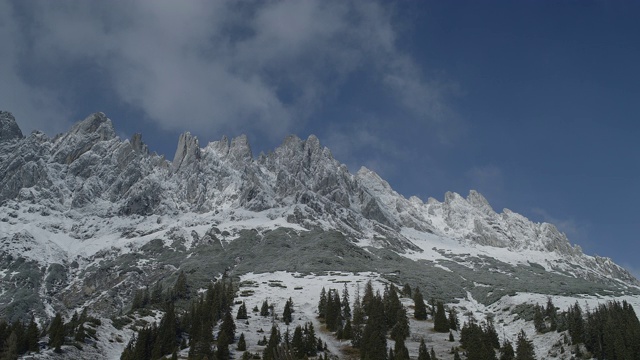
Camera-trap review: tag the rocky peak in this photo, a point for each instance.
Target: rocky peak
(82, 137)
(138, 145)
(239, 150)
(9, 129)
(479, 202)
(188, 151)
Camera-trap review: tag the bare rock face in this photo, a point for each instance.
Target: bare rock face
(9, 129)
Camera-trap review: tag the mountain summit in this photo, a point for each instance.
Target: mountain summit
(87, 218)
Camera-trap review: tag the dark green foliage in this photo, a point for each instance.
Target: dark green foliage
(272, 344)
(420, 310)
(433, 354)
(392, 305)
(374, 341)
(288, 311)
(322, 303)
(357, 326)
(454, 324)
(400, 350)
(476, 342)
(56, 333)
(264, 309)
(222, 348)
(228, 327)
(524, 348)
(347, 331)
(406, 290)
(440, 322)
(10, 350)
(575, 324)
(346, 308)
(538, 319)
(304, 341)
(451, 338)
(612, 331)
(423, 353)
(400, 330)
(81, 334)
(367, 297)
(507, 352)
(32, 336)
(242, 312)
(242, 343)
(333, 311)
(456, 355)
(181, 287)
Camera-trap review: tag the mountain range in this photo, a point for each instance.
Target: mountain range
(87, 218)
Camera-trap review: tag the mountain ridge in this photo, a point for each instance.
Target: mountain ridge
(86, 218)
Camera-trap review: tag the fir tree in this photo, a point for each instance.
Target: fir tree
(322, 303)
(524, 348)
(367, 298)
(440, 323)
(181, 287)
(400, 350)
(420, 309)
(456, 355)
(32, 336)
(272, 344)
(286, 314)
(10, 350)
(374, 342)
(222, 349)
(242, 344)
(81, 334)
(423, 353)
(451, 339)
(400, 330)
(56, 333)
(454, 324)
(242, 312)
(228, 327)
(297, 343)
(507, 352)
(264, 310)
(346, 308)
(433, 354)
(358, 320)
(406, 290)
(347, 332)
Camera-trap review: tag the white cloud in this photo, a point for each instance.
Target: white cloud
(206, 66)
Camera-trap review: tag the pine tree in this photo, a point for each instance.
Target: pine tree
(524, 348)
(181, 287)
(242, 343)
(347, 331)
(274, 340)
(228, 327)
(374, 342)
(451, 339)
(32, 336)
(310, 340)
(56, 333)
(242, 312)
(454, 324)
(297, 343)
(456, 355)
(222, 350)
(440, 323)
(10, 350)
(264, 310)
(420, 309)
(367, 297)
(401, 328)
(156, 293)
(423, 353)
(286, 314)
(322, 303)
(433, 354)
(507, 352)
(538, 319)
(81, 334)
(406, 290)
(400, 350)
(358, 320)
(346, 308)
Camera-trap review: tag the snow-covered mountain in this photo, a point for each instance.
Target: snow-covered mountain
(86, 218)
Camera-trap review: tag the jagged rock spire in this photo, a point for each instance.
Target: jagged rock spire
(9, 129)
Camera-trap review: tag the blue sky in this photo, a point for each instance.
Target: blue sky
(533, 103)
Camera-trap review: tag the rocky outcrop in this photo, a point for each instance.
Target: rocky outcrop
(9, 129)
